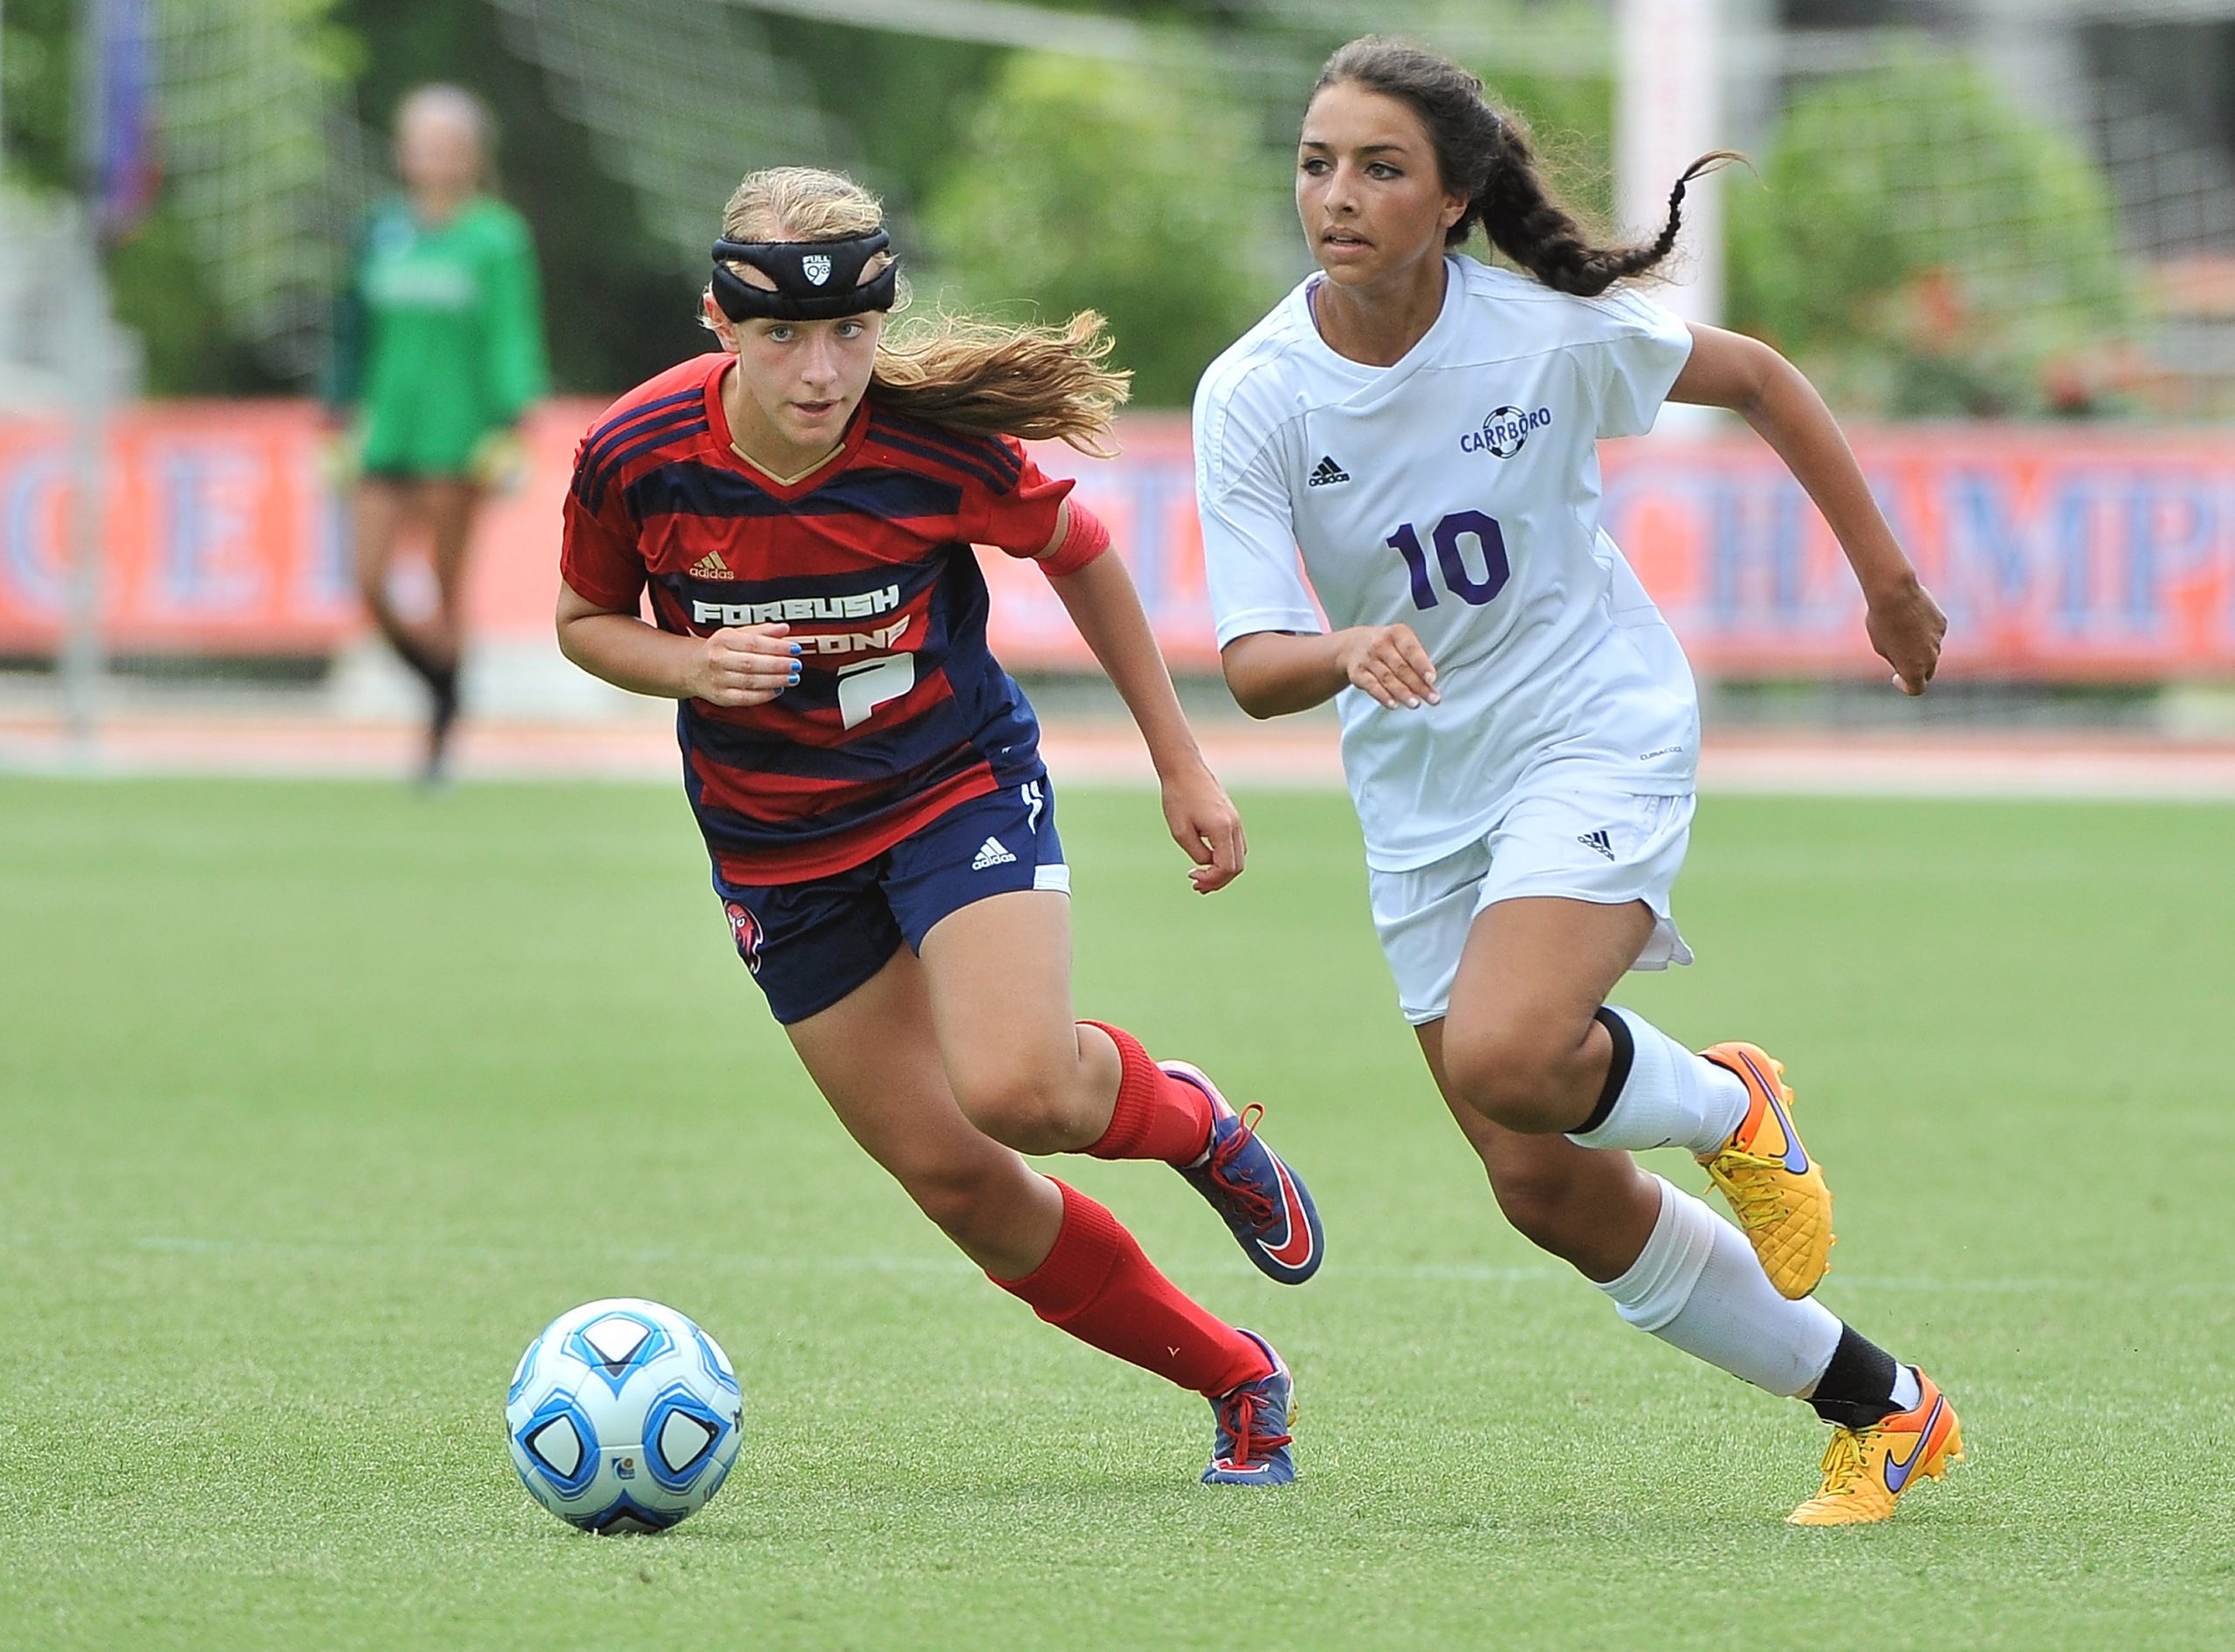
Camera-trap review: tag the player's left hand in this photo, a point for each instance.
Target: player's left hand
(1205, 823)
(1906, 627)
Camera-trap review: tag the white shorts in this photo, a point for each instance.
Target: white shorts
(1600, 845)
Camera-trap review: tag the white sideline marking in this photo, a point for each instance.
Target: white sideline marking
(1944, 763)
(1378, 1272)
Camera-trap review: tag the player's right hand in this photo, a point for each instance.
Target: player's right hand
(743, 665)
(1388, 663)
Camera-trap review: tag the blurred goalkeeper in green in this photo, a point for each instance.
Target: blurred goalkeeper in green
(437, 354)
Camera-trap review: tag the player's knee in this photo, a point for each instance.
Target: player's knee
(967, 1201)
(1542, 1207)
(1507, 1074)
(1021, 1103)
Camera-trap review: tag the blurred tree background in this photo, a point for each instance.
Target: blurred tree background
(1923, 248)
(1060, 195)
(1913, 239)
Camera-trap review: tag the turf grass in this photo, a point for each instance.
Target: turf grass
(317, 1100)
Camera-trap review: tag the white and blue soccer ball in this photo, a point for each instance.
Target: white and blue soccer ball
(624, 1416)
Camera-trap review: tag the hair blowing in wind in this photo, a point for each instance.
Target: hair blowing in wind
(1035, 383)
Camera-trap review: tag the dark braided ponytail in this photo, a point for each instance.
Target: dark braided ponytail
(1484, 152)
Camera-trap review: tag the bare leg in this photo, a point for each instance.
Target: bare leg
(1590, 1208)
(451, 505)
(1026, 1072)
(1522, 1045)
(1028, 1075)
(1521, 1058)
(378, 514)
(448, 504)
(875, 1056)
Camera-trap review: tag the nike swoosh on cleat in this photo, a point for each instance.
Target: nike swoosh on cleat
(1294, 1249)
(1897, 1474)
(1792, 1148)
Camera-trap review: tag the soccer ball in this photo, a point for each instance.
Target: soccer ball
(622, 1416)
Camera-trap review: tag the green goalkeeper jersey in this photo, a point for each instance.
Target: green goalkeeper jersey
(438, 336)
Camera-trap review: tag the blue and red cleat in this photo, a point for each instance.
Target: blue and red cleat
(1262, 1199)
(1252, 1447)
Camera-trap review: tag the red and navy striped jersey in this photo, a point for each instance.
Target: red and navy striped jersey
(901, 712)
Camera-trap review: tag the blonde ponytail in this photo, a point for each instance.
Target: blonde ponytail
(1041, 383)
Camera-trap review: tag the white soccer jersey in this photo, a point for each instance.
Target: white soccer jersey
(1456, 491)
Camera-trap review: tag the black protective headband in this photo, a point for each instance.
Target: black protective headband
(815, 280)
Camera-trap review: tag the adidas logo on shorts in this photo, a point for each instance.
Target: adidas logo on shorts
(1326, 473)
(1597, 840)
(990, 853)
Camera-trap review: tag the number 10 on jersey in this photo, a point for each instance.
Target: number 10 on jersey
(1455, 558)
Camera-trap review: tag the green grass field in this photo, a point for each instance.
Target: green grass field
(320, 1100)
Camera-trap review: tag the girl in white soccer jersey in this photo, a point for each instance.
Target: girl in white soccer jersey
(1519, 726)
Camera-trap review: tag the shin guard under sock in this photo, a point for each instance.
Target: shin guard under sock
(1156, 1115)
(1697, 1285)
(1659, 1094)
(1098, 1284)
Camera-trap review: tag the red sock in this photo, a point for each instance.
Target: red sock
(1157, 1116)
(1098, 1285)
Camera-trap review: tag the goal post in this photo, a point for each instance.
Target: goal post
(1669, 104)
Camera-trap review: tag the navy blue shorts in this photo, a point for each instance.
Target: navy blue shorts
(810, 943)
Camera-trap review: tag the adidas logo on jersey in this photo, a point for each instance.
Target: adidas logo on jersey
(990, 853)
(710, 567)
(1326, 473)
(1599, 841)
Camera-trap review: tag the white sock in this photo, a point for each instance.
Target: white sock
(1672, 1097)
(1905, 1392)
(1698, 1286)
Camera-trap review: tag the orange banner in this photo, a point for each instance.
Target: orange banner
(219, 535)
(214, 538)
(2059, 554)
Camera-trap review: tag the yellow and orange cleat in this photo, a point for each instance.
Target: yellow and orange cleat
(1866, 1470)
(1775, 1187)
